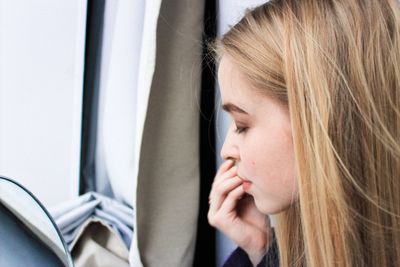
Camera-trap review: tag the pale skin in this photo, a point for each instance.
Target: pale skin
(257, 178)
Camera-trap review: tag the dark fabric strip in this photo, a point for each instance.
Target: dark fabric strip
(205, 252)
(94, 37)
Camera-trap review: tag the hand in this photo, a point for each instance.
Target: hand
(234, 213)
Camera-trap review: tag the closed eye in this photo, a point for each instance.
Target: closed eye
(240, 130)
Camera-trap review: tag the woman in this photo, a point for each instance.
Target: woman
(313, 87)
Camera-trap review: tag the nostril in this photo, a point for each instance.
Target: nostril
(232, 159)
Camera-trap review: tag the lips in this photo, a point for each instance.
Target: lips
(246, 183)
(246, 186)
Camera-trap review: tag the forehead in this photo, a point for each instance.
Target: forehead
(230, 78)
(227, 70)
(235, 88)
(234, 85)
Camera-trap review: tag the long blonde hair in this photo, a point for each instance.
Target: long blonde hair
(336, 65)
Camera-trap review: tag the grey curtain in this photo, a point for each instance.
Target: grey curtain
(168, 181)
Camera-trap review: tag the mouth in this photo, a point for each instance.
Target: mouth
(246, 183)
(246, 186)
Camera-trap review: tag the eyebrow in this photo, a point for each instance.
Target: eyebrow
(229, 107)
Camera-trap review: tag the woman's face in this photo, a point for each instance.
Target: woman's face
(259, 140)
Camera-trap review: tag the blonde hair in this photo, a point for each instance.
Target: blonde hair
(336, 65)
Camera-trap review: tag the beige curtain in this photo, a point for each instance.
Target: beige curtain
(168, 181)
(99, 246)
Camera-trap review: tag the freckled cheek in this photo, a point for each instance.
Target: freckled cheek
(266, 165)
(251, 167)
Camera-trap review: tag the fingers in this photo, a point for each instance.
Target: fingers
(224, 167)
(232, 172)
(220, 192)
(232, 199)
(225, 181)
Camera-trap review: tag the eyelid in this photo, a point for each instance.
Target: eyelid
(240, 130)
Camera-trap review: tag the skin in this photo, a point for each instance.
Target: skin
(257, 178)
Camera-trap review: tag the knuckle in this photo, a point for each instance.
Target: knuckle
(210, 219)
(215, 221)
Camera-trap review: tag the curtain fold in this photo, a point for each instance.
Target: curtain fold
(118, 125)
(127, 66)
(147, 153)
(147, 63)
(168, 178)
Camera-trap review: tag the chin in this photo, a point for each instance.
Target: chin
(268, 208)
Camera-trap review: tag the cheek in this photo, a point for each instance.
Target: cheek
(270, 163)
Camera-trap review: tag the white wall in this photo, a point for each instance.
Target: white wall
(41, 81)
(229, 12)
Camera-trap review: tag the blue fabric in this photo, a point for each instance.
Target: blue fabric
(70, 216)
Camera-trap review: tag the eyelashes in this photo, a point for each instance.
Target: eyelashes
(240, 130)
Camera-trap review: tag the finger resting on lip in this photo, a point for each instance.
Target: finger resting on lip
(232, 199)
(227, 177)
(223, 187)
(225, 166)
(232, 172)
(232, 189)
(222, 206)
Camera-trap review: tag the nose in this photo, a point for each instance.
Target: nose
(230, 148)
